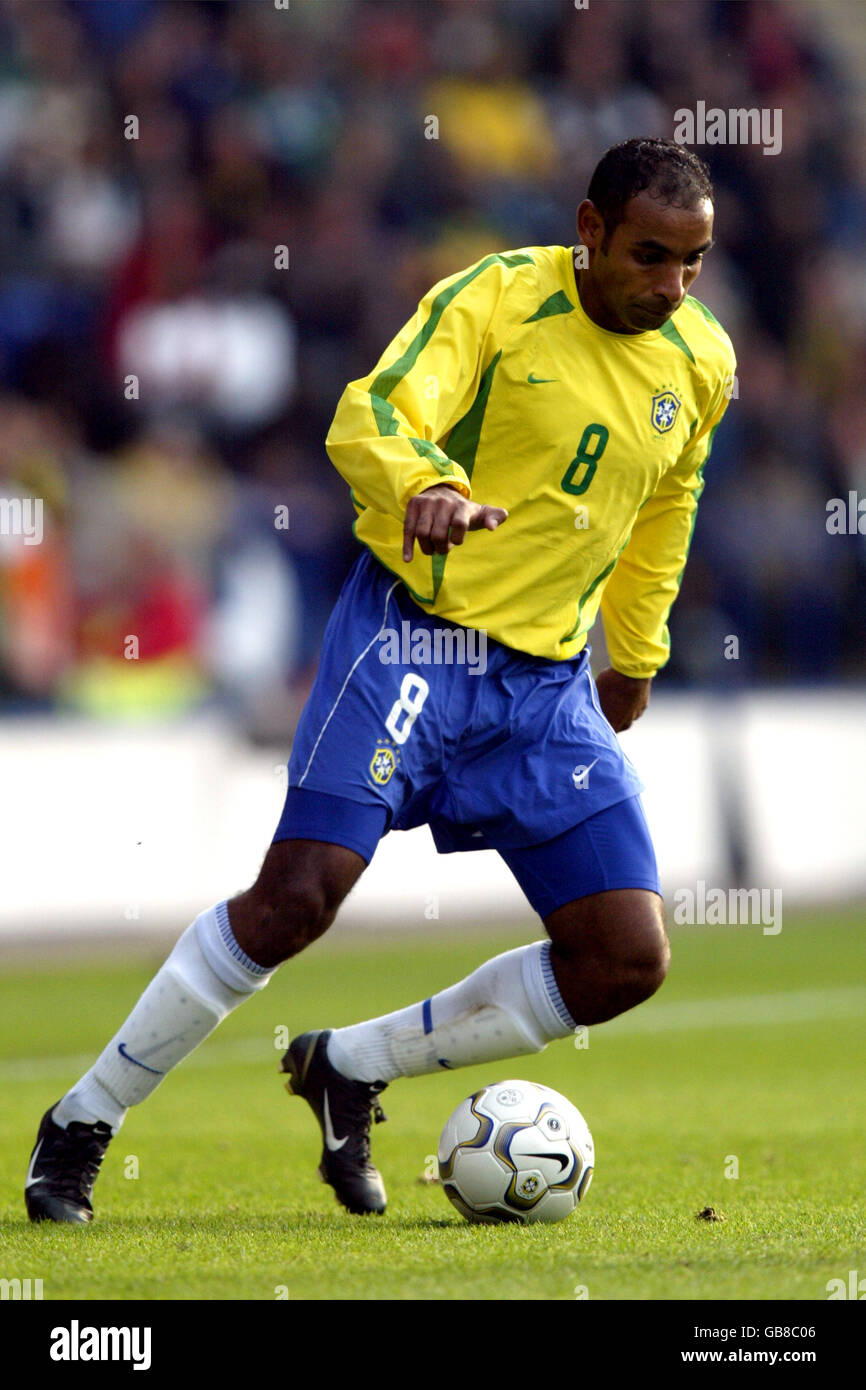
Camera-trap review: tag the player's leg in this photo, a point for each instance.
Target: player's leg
(596, 887)
(216, 965)
(607, 953)
(225, 957)
(322, 843)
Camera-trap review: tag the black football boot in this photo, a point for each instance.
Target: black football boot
(344, 1109)
(63, 1168)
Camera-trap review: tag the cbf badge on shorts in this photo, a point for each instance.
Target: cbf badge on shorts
(383, 763)
(665, 409)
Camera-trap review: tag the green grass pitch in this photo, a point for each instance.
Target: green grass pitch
(750, 1060)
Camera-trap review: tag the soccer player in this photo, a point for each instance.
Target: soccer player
(528, 450)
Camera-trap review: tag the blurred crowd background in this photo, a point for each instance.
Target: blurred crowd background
(258, 127)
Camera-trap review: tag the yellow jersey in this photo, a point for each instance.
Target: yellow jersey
(594, 442)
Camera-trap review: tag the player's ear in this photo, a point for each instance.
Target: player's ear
(590, 225)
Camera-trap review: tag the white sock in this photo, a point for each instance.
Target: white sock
(205, 977)
(509, 1006)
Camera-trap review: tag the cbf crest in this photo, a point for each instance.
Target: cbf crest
(665, 409)
(382, 763)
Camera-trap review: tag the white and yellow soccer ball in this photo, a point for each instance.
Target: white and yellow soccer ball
(516, 1151)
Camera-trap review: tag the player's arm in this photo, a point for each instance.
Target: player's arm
(383, 439)
(642, 588)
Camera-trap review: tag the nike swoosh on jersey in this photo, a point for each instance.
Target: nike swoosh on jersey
(30, 1181)
(539, 380)
(331, 1140)
(121, 1047)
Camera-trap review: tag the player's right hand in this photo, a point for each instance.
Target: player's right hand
(439, 518)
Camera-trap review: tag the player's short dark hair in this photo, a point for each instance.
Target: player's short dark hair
(672, 174)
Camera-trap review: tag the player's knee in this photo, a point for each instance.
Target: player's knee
(274, 921)
(613, 953)
(300, 913)
(641, 962)
(643, 972)
(294, 899)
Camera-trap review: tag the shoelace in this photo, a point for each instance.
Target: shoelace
(360, 1107)
(79, 1157)
(376, 1089)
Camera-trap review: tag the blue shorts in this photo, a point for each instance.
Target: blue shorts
(415, 720)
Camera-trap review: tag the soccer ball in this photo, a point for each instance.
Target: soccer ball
(516, 1151)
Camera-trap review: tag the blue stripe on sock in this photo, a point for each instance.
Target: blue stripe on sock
(552, 988)
(228, 940)
(427, 1015)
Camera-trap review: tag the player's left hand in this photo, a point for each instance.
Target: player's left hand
(623, 698)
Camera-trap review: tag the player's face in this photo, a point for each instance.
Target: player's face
(642, 275)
